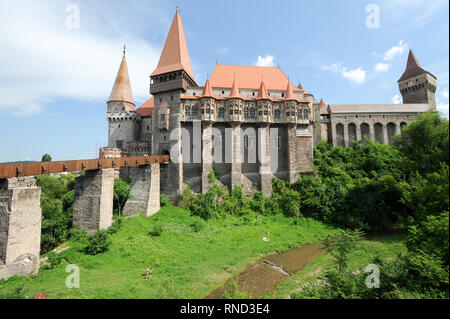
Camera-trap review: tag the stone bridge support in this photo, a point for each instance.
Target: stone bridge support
(20, 226)
(265, 173)
(93, 200)
(144, 190)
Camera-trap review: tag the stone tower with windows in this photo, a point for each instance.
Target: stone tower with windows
(417, 85)
(123, 122)
(171, 78)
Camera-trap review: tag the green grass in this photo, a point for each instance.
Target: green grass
(385, 247)
(185, 263)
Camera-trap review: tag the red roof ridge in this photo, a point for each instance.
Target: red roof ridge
(146, 109)
(262, 93)
(207, 92)
(289, 92)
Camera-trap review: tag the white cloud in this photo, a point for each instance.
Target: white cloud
(42, 60)
(265, 61)
(356, 75)
(381, 67)
(396, 99)
(395, 51)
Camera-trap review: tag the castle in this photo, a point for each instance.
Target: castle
(248, 123)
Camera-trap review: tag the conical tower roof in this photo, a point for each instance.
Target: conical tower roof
(289, 92)
(299, 86)
(323, 107)
(121, 90)
(262, 93)
(413, 68)
(235, 90)
(175, 54)
(207, 91)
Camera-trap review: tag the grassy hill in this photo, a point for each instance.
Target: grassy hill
(185, 263)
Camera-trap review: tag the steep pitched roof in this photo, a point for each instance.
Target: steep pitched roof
(299, 86)
(413, 68)
(207, 92)
(146, 109)
(121, 90)
(289, 92)
(262, 92)
(234, 90)
(323, 107)
(249, 77)
(175, 55)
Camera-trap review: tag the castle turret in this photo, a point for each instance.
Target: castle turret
(416, 84)
(123, 122)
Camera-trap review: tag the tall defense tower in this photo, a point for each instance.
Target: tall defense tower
(168, 82)
(123, 122)
(416, 84)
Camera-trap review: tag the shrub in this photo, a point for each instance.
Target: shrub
(164, 200)
(54, 260)
(115, 227)
(198, 225)
(98, 243)
(289, 203)
(77, 233)
(156, 231)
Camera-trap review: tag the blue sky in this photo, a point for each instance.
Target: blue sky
(55, 78)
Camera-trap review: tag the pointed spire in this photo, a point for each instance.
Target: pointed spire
(175, 55)
(289, 92)
(234, 90)
(121, 90)
(323, 107)
(299, 86)
(207, 91)
(413, 67)
(262, 93)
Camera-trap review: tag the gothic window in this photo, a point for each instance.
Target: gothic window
(277, 114)
(252, 113)
(221, 113)
(187, 111)
(305, 114)
(246, 115)
(236, 112)
(266, 112)
(195, 110)
(288, 114)
(300, 114)
(208, 110)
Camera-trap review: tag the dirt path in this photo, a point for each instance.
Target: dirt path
(262, 277)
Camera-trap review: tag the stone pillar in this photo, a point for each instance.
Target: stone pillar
(144, 190)
(346, 140)
(358, 130)
(206, 156)
(236, 163)
(20, 221)
(93, 200)
(292, 153)
(385, 134)
(398, 129)
(371, 131)
(333, 133)
(265, 173)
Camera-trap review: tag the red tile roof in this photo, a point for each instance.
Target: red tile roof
(262, 92)
(249, 77)
(413, 68)
(234, 90)
(146, 109)
(207, 92)
(289, 92)
(175, 55)
(323, 107)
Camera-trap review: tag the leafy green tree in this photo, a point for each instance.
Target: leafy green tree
(98, 242)
(46, 158)
(341, 245)
(424, 143)
(122, 193)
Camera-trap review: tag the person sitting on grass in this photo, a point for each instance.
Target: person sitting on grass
(148, 273)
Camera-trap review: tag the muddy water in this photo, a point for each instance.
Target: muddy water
(262, 277)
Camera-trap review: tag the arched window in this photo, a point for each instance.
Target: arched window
(221, 113)
(365, 131)
(187, 111)
(306, 114)
(252, 113)
(340, 135)
(391, 128)
(378, 128)
(246, 115)
(277, 114)
(351, 133)
(300, 114)
(194, 111)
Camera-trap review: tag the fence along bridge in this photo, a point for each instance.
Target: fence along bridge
(21, 214)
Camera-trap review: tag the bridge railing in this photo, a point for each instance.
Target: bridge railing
(32, 169)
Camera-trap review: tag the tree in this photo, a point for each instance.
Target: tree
(46, 158)
(122, 193)
(424, 143)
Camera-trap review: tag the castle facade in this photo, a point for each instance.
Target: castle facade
(247, 123)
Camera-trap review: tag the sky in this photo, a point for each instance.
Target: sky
(59, 59)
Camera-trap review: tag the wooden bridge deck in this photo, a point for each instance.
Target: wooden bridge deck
(32, 169)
